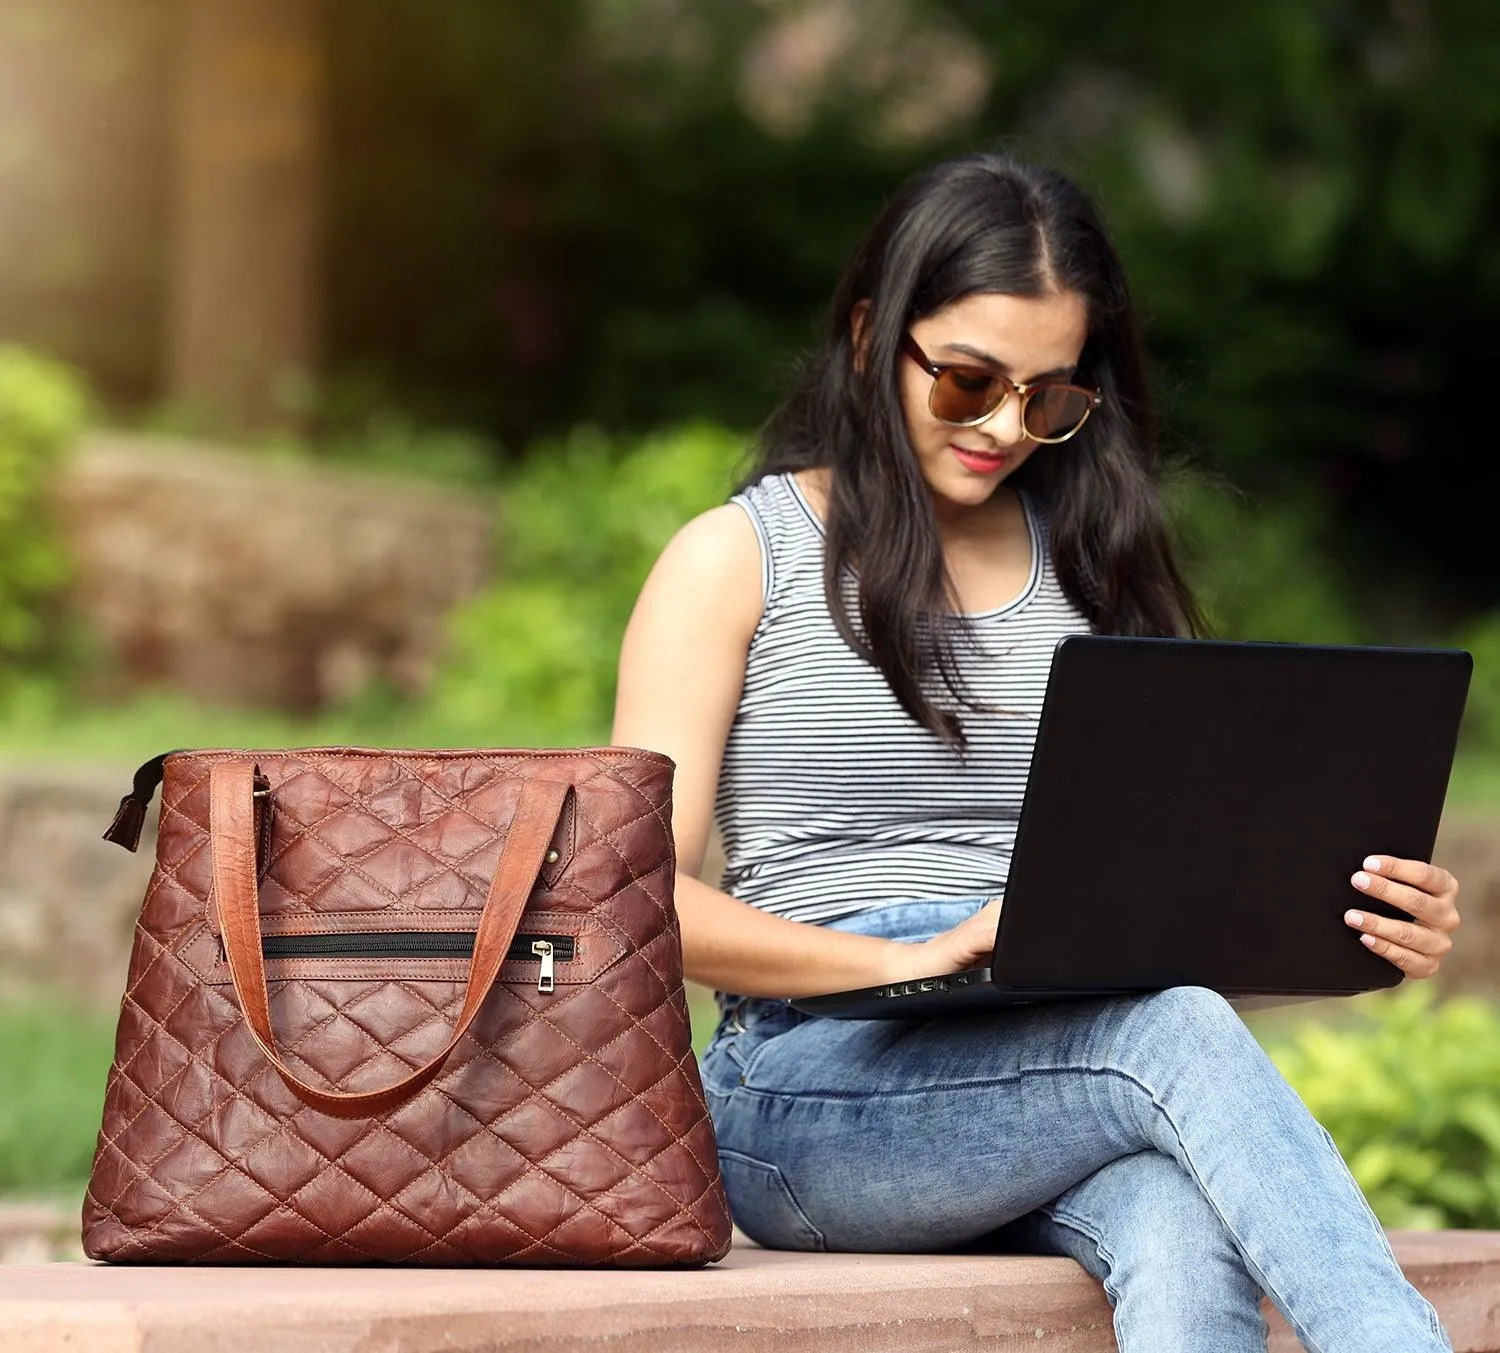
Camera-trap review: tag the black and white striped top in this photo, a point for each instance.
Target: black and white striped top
(831, 798)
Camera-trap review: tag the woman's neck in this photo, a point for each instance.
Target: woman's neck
(959, 524)
(986, 548)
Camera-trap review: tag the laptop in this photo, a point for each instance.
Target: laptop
(1192, 815)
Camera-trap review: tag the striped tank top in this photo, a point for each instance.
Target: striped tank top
(830, 797)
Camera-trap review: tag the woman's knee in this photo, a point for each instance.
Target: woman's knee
(1193, 1007)
(1184, 1046)
(1190, 1018)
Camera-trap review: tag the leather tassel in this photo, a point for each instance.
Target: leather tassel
(129, 819)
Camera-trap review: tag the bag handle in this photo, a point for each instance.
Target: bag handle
(236, 891)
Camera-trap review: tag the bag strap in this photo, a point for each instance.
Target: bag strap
(232, 839)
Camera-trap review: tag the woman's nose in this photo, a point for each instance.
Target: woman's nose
(1004, 425)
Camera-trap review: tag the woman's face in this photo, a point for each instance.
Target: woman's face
(1023, 337)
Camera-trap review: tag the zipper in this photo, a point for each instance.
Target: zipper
(423, 944)
(543, 950)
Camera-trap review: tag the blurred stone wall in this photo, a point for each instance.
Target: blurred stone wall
(242, 578)
(1469, 845)
(68, 900)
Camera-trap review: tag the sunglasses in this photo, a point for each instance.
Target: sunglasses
(1051, 410)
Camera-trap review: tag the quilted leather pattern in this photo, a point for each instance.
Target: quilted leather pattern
(566, 1128)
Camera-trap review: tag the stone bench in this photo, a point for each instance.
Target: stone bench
(755, 1300)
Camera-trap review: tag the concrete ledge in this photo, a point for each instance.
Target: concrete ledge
(756, 1300)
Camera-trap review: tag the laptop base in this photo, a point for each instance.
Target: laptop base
(973, 991)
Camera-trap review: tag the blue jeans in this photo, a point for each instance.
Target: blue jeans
(1148, 1137)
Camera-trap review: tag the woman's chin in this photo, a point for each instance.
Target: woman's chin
(965, 495)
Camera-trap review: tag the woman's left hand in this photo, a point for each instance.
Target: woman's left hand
(1427, 894)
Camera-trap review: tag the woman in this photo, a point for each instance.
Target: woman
(846, 663)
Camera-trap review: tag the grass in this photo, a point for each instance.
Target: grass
(53, 1061)
(704, 1013)
(38, 722)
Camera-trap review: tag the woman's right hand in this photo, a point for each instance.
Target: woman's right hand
(970, 944)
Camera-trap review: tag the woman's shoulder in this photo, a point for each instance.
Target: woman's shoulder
(744, 550)
(705, 587)
(720, 543)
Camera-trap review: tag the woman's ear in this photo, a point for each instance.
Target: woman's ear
(857, 318)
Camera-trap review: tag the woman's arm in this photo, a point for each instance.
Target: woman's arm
(682, 666)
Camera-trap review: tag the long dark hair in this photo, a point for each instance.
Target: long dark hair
(977, 223)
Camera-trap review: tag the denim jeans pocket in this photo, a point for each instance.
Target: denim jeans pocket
(763, 1204)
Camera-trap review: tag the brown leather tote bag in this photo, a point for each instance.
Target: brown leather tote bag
(411, 1006)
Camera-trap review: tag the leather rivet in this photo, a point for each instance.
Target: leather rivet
(553, 857)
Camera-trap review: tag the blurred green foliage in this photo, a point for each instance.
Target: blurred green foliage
(584, 518)
(1260, 570)
(1482, 713)
(41, 409)
(1300, 192)
(394, 443)
(1411, 1094)
(54, 1056)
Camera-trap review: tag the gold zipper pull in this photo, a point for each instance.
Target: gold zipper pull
(543, 949)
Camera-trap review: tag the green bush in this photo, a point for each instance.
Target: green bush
(1256, 567)
(1412, 1097)
(41, 408)
(53, 1061)
(533, 658)
(1482, 713)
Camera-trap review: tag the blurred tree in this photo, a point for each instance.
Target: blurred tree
(560, 225)
(83, 123)
(632, 211)
(245, 286)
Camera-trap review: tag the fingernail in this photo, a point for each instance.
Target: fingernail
(1367, 939)
(1372, 863)
(1361, 880)
(1355, 918)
